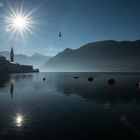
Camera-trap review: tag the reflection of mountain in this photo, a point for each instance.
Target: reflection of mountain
(98, 56)
(36, 60)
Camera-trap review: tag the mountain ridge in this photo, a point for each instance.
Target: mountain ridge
(35, 60)
(107, 55)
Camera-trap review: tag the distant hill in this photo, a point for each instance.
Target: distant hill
(36, 60)
(100, 56)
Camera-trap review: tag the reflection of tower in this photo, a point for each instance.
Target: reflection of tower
(11, 89)
(12, 55)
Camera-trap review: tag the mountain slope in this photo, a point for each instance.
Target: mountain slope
(39, 59)
(98, 56)
(36, 60)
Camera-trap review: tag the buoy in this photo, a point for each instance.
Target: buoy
(90, 79)
(112, 82)
(76, 77)
(138, 84)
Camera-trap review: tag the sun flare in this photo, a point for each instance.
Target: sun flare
(20, 22)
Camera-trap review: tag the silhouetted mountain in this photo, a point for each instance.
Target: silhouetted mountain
(5, 54)
(98, 56)
(39, 59)
(36, 60)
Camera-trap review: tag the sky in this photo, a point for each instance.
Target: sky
(80, 21)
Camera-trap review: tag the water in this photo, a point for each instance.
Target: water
(66, 108)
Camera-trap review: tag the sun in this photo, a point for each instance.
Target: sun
(20, 22)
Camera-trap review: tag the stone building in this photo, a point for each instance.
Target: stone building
(12, 67)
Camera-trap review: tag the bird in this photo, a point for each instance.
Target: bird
(60, 34)
(44, 78)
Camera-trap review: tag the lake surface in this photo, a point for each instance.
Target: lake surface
(62, 107)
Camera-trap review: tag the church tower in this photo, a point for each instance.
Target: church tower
(12, 55)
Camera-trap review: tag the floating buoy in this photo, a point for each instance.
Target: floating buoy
(112, 82)
(138, 84)
(90, 79)
(76, 77)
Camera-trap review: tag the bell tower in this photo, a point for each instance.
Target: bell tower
(12, 55)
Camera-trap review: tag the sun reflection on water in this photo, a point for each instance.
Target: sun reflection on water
(19, 119)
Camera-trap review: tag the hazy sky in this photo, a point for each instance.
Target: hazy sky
(80, 21)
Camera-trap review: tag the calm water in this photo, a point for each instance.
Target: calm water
(65, 108)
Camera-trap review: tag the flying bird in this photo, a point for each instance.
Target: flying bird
(60, 34)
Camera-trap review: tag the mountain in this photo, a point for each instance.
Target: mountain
(36, 60)
(98, 56)
(5, 54)
(39, 59)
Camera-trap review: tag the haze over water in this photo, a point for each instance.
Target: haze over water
(62, 107)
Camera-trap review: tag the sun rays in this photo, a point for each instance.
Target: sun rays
(19, 21)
